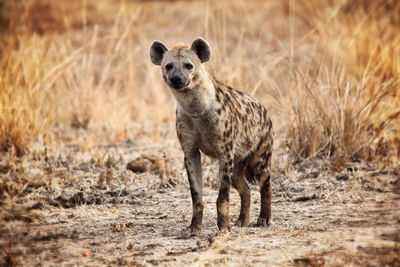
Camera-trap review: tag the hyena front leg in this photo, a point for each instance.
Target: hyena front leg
(225, 176)
(193, 168)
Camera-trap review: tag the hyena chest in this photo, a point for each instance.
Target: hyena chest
(200, 132)
(209, 141)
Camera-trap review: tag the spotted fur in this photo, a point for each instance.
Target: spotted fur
(222, 123)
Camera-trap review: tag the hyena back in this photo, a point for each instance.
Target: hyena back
(222, 123)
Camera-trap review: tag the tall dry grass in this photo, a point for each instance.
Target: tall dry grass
(328, 71)
(349, 108)
(23, 115)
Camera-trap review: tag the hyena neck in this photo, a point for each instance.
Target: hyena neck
(199, 100)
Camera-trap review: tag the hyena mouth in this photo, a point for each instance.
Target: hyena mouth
(181, 87)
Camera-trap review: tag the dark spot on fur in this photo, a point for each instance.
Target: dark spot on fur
(232, 93)
(196, 77)
(217, 96)
(268, 156)
(266, 183)
(223, 193)
(261, 142)
(258, 165)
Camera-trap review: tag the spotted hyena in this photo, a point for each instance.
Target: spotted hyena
(222, 123)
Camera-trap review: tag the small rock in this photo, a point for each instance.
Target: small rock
(85, 166)
(147, 163)
(86, 254)
(139, 165)
(342, 177)
(305, 198)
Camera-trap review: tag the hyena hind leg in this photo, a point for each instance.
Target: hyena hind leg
(265, 191)
(263, 176)
(240, 184)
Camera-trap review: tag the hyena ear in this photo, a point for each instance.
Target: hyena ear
(157, 50)
(202, 49)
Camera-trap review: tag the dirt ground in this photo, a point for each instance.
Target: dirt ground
(91, 210)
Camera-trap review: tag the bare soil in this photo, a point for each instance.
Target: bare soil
(82, 206)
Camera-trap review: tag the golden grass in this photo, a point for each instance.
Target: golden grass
(20, 98)
(350, 106)
(328, 71)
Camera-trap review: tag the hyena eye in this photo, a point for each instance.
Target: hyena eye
(168, 66)
(188, 66)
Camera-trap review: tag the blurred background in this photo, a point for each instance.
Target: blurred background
(328, 71)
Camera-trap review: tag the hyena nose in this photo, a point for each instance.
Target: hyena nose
(176, 80)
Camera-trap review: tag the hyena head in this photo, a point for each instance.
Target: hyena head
(181, 65)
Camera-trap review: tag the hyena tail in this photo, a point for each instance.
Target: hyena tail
(256, 164)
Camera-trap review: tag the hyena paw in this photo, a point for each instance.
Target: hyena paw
(242, 222)
(223, 230)
(191, 231)
(224, 226)
(263, 221)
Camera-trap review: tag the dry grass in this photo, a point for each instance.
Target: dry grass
(349, 106)
(329, 72)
